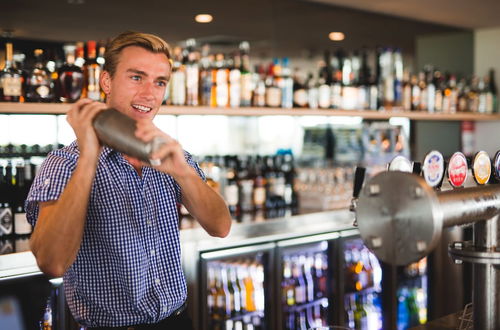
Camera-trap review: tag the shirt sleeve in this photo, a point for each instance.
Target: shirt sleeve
(49, 182)
(193, 164)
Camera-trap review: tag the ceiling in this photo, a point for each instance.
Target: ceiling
(273, 27)
(459, 13)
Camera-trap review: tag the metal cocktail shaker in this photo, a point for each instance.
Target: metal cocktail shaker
(116, 130)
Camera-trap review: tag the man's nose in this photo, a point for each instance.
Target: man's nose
(147, 90)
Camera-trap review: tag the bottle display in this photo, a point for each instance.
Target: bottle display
(412, 295)
(304, 288)
(39, 84)
(236, 293)
(356, 80)
(363, 279)
(70, 77)
(10, 78)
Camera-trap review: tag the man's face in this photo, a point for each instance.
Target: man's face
(138, 85)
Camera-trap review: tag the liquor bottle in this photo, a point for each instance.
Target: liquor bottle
(324, 86)
(406, 100)
(473, 95)
(246, 84)
(287, 85)
(493, 89)
(482, 96)
(259, 185)
(205, 80)
(92, 74)
(241, 274)
(245, 183)
(211, 292)
(178, 80)
(6, 219)
(431, 91)
(299, 282)
(287, 285)
(192, 74)
(440, 87)
(39, 85)
(490, 98)
(222, 81)
(231, 188)
(299, 90)
(360, 315)
(259, 92)
(422, 84)
(272, 82)
(307, 262)
(398, 77)
(80, 54)
(21, 225)
(415, 93)
(312, 92)
(234, 288)
(70, 78)
(336, 80)
(250, 289)
(235, 82)
(10, 78)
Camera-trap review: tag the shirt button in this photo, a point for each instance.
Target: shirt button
(157, 281)
(152, 252)
(149, 222)
(46, 182)
(165, 309)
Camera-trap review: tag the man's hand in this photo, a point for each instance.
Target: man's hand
(170, 153)
(80, 117)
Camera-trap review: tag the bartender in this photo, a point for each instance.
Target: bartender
(107, 222)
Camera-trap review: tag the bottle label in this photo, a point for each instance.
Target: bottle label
(273, 97)
(5, 221)
(246, 89)
(259, 195)
(43, 91)
(21, 224)
(231, 194)
(324, 96)
(11, 86)
(300, 97)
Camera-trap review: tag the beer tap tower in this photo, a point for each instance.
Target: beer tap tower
(400, 218)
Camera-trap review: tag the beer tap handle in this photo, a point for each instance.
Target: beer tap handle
(359, 178)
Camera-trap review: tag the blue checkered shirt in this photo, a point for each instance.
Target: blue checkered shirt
(128, 269)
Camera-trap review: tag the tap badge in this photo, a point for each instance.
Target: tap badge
(496, 164)
(400, 163)
(481, 167)
(457, 169)
(433, 168)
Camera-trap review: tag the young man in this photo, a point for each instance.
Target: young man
(108, 223)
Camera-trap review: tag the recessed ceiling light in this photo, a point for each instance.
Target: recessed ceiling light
(336, 36)
(203, 18)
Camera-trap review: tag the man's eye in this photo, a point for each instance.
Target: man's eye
(162, 83)
(137, 78)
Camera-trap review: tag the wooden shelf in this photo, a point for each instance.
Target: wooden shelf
(59, 108)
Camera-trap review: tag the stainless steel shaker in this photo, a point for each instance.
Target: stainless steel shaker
(116, 130)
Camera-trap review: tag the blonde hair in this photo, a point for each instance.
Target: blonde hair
(130, 38)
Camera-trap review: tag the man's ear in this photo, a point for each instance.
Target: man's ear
(105, 81)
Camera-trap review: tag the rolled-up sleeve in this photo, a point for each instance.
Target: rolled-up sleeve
(49, 182)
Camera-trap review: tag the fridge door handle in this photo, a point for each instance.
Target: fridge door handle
(350, 232)
(237, 251)
(309, 239)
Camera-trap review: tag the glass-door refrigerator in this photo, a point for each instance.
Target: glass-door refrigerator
(306, 282)
(237, 288)
(377, 295)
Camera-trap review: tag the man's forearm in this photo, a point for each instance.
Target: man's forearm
(59, 230)
(205, 205)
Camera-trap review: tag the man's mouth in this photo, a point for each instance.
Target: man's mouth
(142, 108)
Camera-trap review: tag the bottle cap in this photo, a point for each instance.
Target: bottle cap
(401, 164)
(481, 167)
(457, 169)
(433, 168)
